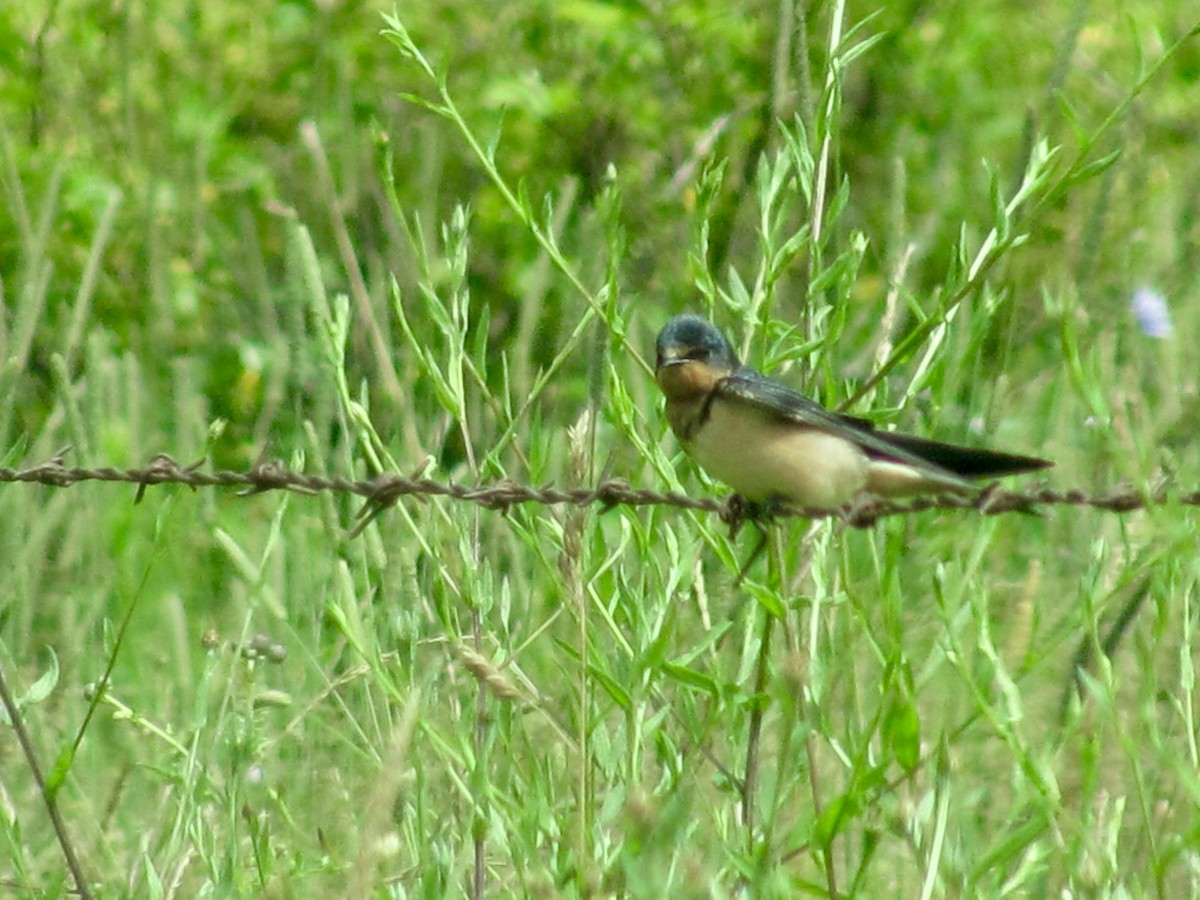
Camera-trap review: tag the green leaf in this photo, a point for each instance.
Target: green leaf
(1092, 169)
(902, 732)
(833, 819)
(58, 774)
(619, 695)
(689, 677)
(38, 691)
(767, 599)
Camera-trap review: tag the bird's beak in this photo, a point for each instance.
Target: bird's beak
(674, 355)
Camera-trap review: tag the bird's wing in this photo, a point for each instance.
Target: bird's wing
(935, 457)
(969, 462)
(775, 399)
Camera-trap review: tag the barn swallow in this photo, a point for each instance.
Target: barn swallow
(772, 445)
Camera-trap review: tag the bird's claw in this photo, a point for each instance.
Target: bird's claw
(739, 510)
(760, 513)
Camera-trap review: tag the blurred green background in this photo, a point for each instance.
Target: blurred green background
(189, 189)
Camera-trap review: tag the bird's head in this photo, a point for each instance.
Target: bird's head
(691, 356)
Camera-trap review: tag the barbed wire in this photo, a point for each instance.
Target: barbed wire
(383, 491)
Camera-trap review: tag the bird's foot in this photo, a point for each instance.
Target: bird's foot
(863, 511)
(740, 509)
(760, 513)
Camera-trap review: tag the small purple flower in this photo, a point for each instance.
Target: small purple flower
(1152, 313)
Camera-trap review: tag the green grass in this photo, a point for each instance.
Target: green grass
(447, 248)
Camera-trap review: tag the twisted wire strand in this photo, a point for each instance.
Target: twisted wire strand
(385, 490)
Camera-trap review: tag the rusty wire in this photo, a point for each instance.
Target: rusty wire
(385, 490)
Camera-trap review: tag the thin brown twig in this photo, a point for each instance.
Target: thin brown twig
(754, 732)
(48, 795)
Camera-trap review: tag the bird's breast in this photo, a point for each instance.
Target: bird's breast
(764, 458)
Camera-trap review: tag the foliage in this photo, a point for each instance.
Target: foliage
(231, 229)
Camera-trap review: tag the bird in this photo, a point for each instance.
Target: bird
(774, 446)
